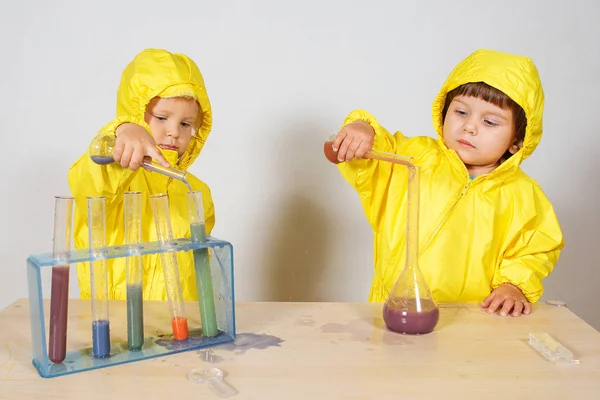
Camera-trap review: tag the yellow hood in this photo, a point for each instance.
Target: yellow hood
(159, 73)
(516, 76)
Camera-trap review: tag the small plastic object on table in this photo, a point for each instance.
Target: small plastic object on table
(556, 303)
(547, 346)
(213, 377)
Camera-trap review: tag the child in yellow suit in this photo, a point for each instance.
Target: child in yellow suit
(487, 231)
(163, 112)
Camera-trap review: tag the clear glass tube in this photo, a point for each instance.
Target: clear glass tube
(204, 286)
(332, 155)
(164, 234)
(99, 276)
(412, 220)
(133, 265)
(391, 157)
(410, 308)
(59, 296)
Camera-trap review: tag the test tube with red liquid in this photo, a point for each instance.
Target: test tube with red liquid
(164, 234)
(98, 276)
(59, 296)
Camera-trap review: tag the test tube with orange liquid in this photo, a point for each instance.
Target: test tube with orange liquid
(164, 234)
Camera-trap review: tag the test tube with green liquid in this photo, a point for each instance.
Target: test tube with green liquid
(133, 239)
(204, 286)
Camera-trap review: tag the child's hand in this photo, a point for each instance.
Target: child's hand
(354, 141)
(133, 144)
(510, 298)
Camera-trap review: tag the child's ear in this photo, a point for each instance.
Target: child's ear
(516, 146)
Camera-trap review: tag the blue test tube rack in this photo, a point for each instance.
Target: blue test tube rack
(79, 360)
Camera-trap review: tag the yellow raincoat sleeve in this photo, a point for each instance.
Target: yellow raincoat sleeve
(533, 251)
(371, 178)
(86, 178)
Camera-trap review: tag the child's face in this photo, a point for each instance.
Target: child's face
(479, 132)
(172, 122)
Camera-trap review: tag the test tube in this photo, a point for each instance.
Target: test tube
(98, 276)
(133, 266)
(160, 209)
(206, 299)
(59, 296)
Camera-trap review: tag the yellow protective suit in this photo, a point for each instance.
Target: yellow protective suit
(474, 234)
(152, 73)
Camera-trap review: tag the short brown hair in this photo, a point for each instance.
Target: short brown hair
(492, 95)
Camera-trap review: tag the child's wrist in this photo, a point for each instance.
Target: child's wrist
(121, 127)
(515, 287)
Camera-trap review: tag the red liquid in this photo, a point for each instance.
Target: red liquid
(180, 328)
(59, 303)
(330, 153)
(410, 321)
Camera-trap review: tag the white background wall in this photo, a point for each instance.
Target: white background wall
(281, 77)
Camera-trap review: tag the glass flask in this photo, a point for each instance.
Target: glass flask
(101, 152)
(410, 308)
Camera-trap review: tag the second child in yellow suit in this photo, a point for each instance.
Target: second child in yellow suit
(163, 112)
(487, 231)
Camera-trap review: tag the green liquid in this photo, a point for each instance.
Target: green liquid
(135, 317)
(206, 298)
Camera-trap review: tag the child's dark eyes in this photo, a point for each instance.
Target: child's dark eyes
(486, 121)
(162, 118)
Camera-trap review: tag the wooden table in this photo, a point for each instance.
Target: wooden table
(330, 351)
